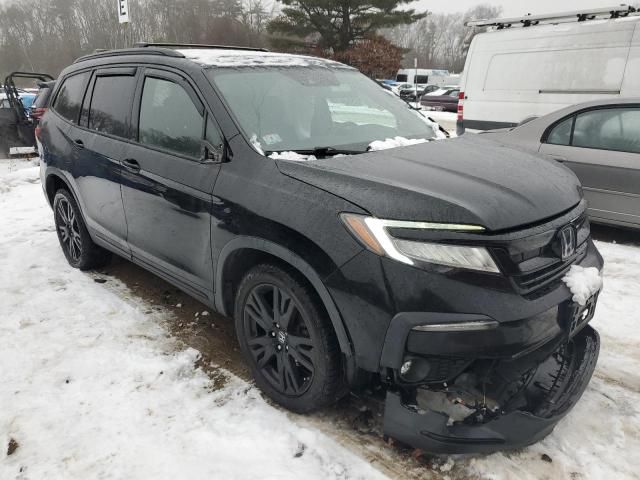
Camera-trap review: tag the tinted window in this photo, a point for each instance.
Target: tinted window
(609, 129)
(169, 119)
(110, 104)
(213, 135)
(43, 97)
(69, 99)
(561, 133)
(401, 78)
(422, 78)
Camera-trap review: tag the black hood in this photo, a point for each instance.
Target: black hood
(470, 180)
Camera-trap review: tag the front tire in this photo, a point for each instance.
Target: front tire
(73, 235)
(286, 338)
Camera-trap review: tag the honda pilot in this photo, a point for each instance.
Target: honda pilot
(350, 244)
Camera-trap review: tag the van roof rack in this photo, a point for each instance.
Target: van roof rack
(197, 45)
(616, 11)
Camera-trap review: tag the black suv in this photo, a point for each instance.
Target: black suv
(257, 182)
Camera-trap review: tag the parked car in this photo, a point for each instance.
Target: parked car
(16, 128)
(442, 100)
(600, 142)
(41, 102)
(433, 268)
(398, 87)
(537, 64)
(409, 94)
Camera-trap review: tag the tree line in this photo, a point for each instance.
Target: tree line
(373, 35)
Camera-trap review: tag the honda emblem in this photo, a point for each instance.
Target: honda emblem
(567, 242)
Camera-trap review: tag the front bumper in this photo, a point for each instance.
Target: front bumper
(552, 387)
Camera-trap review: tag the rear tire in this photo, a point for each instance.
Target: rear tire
(73, 235)
(287, 340)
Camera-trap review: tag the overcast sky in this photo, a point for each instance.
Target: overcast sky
(515, 7)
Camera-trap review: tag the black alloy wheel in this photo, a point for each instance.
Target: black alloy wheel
(287, 339)
(68, 229)
(279, 339)
(76, 243)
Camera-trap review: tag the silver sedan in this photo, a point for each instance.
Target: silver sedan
(600, 142)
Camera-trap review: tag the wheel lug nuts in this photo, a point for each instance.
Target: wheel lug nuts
(273, 334)
(279, 347)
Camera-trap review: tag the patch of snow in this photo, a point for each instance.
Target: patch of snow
(250, 58)
(293, 156)
(17, 172)
(583, 283)
(92, 387)
(256, 144)
(394, 143)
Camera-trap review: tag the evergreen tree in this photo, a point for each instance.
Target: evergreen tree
(339, 23)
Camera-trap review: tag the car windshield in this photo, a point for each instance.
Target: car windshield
(308, 108)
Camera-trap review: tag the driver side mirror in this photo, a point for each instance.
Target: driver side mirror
(213, 153)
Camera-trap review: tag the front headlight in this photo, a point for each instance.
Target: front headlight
(372, 233)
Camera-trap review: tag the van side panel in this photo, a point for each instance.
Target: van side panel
(522, 72)
(631, 83)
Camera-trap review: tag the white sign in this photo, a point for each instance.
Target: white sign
(123, 11)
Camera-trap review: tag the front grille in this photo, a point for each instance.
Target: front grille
(534, 263)
(536, 283)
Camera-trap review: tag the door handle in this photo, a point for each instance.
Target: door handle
(78, 143)
(131, 164)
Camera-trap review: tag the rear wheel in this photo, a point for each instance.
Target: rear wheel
(75, 240)
(285, 336)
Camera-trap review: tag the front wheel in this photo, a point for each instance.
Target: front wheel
(75, 240)
(286, 338)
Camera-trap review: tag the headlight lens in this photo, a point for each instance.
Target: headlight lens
(372, 233)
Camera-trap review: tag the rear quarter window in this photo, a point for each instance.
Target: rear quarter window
(69, 99)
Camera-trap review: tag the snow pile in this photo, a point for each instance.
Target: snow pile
(394, 143)
(293, 156)
(93, 386)
(17, 176)
(583, 283)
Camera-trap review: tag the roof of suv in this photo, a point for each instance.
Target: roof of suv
(245, 58)
(221, 56)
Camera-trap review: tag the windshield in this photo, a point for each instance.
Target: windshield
(306, 108)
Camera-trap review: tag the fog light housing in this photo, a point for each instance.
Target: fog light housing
(414, 369)
(406, 366)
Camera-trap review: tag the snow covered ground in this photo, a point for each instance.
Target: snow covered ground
(94, 385)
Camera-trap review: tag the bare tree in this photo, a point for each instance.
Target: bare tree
(439, 40)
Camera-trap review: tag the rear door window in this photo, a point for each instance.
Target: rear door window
(111, 103)
(169, 119)
(69, 99)
(608, 129)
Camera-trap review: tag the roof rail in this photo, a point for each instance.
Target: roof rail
(197, 45)
(616, 11)
(130, 51)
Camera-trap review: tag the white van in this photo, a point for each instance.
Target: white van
(513, 73)
(421, 76)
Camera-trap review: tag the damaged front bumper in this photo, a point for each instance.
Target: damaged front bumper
(508, 403)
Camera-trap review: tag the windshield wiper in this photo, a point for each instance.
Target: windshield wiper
(319, 152)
